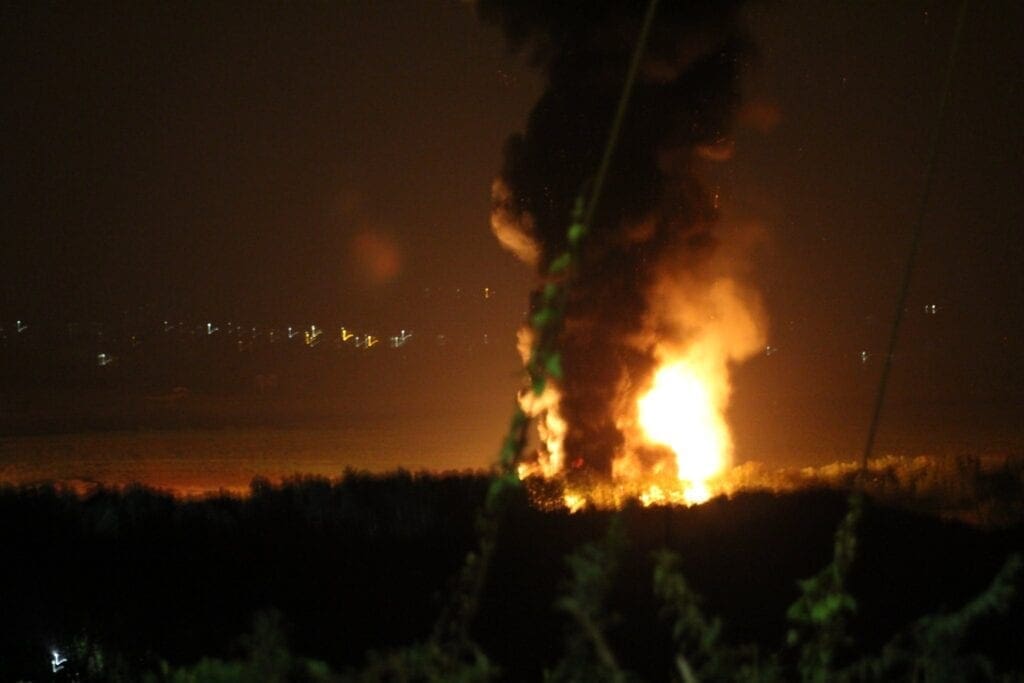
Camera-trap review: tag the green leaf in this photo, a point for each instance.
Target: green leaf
(508, 452)
(560, 264)
(518, 420)
(830, 605)
(578, 207)
(576, 233)
(542, 318)
(550, 292)
(554, 365)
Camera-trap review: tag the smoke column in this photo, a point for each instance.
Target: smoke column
(654, 219)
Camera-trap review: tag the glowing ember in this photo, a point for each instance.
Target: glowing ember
(683, 411)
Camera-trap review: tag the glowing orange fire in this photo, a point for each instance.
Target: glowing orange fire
(682, 413)
(677, 447)
(683, 410)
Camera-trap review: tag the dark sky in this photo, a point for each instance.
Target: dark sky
(233, 161)
(838, 184)
(302, 160)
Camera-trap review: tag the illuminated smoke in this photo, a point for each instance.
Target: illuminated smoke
(651, 287)
(513, 230)
(701, 322)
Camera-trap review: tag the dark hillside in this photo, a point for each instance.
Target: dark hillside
(364, 563)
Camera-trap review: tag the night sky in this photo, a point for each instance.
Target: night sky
(295, 162)
(269, 162)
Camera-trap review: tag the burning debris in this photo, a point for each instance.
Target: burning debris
(655, 315)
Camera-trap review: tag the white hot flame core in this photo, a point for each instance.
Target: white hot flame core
(683, 411)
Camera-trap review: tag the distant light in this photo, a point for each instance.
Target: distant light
(769, 349)
(864, 355)
(931, 309)
(312, 336)
(399, 339)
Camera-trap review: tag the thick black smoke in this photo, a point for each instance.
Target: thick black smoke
(652, 204)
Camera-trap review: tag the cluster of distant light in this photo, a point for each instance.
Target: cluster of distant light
(311, 335)
(108, 343)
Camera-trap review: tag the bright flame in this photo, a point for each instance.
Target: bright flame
(677, 447)
(551, 429)
(574, 502)
(684, 412)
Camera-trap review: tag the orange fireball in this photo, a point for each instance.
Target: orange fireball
(683, 411)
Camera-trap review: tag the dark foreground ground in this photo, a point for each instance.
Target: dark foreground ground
(365, 563)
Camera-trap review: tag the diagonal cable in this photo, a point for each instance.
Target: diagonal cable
(908, 270)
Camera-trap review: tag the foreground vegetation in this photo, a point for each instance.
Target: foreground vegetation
(345, 580)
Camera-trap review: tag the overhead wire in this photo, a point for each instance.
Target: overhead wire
(915, 244)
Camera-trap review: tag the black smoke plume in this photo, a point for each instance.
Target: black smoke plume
(652, 205)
